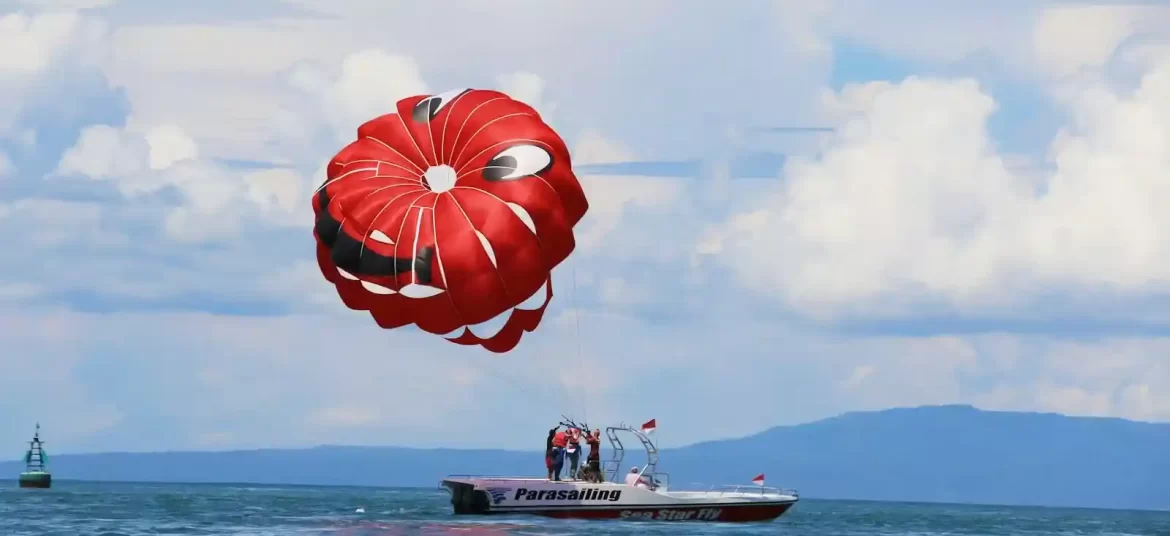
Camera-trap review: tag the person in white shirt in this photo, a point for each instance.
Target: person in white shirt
(635, 479)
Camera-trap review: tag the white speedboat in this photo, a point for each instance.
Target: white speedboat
(613, 499)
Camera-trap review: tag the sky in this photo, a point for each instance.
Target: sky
(797, 209)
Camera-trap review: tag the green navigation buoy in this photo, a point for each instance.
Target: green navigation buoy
(35, 475)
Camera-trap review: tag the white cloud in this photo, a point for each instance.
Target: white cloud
(614, 199)
(45, 223)
(616, 290)
(42, 50)
(529, 89)
(144, 159)
(302, 78)
(286, 369)
(593, 148)
(277, 381)
(227, 85)
(343, 416)
(1111, 378)
(17, 291)
(105, 152)
(28, 379)
(169, 145)
(33, 43)
(611, 196)
(954, 32)
(370, 84)
(68, 4)
(912, 201)
(1060, 48)
(922, 371)
(236, 105)
(1027, 40)
(281, 191)
(165, 156)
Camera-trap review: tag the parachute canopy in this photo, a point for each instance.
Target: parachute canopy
(450, 214)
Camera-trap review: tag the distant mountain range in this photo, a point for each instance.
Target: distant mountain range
(934, 454)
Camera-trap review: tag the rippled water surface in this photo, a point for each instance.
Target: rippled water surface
(123, 509)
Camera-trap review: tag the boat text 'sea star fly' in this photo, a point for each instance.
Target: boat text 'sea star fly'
(701, 514)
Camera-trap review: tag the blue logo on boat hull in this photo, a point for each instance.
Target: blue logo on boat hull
(498, 494)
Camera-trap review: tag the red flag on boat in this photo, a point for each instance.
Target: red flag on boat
(649, 426)
(758, 480)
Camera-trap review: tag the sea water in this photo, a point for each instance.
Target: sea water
(128, 509)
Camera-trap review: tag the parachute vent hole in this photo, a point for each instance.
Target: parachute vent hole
(439, 178)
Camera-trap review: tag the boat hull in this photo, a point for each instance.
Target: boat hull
(35, 480)
(579, 500)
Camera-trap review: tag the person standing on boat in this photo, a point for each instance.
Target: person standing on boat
(573, 450)
(593, 462)
(549, 454)
(558, 453)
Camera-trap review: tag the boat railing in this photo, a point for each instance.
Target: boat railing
(754, 489)
(483, 477)
(513, 477)
(497, 477)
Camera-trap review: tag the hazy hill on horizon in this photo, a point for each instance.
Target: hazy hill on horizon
(931, 453)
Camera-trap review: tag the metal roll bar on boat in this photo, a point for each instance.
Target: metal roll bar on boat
(612, 467)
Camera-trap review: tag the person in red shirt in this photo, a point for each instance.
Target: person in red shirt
(558, 454)
(593, 462)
